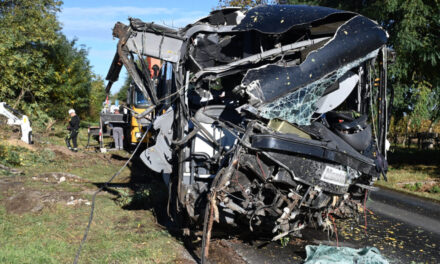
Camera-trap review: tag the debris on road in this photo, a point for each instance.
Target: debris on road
(323, 254)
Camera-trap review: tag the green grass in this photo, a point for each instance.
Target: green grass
(52, 235)
(414, 171)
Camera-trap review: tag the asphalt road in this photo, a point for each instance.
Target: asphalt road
(405, 229)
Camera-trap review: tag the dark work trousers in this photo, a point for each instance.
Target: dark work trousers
(73, 135)
(118, 136)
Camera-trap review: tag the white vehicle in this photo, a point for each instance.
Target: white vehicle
(15, 118)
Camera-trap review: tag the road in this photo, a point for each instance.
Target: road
(405, 229)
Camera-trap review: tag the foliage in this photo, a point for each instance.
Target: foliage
(28, 31)
(9, 156)
(413, 187)
(121, 95)
(139, 198)
(43, 73)
(435, 189)
(71, 81)
(284, 241)
(97, 96)
(17, 156)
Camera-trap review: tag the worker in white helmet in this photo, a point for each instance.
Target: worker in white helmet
(73, 128)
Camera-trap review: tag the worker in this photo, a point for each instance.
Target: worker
(118, 134)
(73, 131)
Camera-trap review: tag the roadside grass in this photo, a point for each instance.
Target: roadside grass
(52, 234)
(414, 171)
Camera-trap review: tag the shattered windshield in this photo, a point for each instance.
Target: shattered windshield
(299, 106)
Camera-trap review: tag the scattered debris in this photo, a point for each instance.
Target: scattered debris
(58, 177)
(73, 201)
(323, 254)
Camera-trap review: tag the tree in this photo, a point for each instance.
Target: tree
(121, 95)
(97, 96)
(28, 28)
(42, 72)
(71, 79)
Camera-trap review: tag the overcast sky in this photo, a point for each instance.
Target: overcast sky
(91, 22)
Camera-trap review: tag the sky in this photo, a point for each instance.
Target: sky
(91, 23)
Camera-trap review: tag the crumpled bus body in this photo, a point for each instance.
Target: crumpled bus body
(274, 118)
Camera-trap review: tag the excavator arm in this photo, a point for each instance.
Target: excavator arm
(15, 118)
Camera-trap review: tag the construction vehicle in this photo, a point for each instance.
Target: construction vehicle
(128, 115)
(16, 118)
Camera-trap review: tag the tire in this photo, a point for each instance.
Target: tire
(30, 139)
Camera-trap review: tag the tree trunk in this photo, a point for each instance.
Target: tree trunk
(431, 126)
(50, 124)
(19, 98)
(407, 138)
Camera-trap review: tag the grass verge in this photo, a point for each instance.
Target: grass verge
(43, 212)
(415, 172)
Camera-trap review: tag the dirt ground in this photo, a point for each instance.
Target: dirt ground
(46, 205)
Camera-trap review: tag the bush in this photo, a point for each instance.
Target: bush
(43, 157)
(17, 156)
(413, 187)
(9, 156)
(435, 189)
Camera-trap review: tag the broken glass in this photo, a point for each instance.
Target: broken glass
(299, 106)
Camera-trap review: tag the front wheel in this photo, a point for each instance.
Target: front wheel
(30, 139)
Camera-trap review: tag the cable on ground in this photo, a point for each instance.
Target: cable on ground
(78, 252)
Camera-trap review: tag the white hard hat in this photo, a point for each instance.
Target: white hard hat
(71, 111)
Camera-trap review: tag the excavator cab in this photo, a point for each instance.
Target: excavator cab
(137, 104)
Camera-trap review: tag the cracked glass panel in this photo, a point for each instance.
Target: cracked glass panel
(299, 106)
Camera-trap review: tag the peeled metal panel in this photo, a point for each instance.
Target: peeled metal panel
(335, 98)
(157, 46)
(222, 136)
(280, 18)
(353, 40)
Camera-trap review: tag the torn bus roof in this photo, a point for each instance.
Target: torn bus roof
(353, 40)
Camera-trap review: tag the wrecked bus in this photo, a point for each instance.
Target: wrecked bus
(273, 118)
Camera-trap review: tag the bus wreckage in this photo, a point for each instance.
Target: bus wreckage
(274, 118)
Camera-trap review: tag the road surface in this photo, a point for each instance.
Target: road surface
(405, 229)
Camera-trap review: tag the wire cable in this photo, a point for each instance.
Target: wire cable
(92, 209)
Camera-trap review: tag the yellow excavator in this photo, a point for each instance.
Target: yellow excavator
(127, 115)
